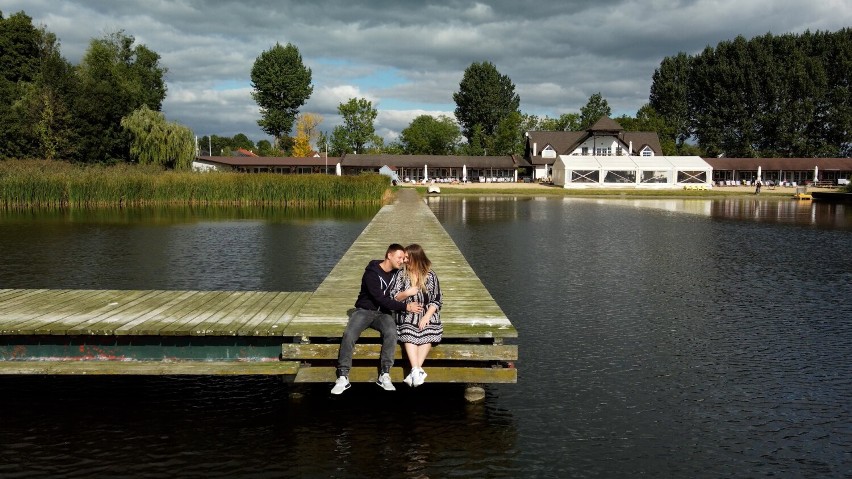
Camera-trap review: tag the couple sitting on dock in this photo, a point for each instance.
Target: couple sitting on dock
(400, 297)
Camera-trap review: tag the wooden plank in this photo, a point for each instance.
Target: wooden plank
(229, 301)
(10, 304)
(314, 374)
(80, 299)
(40, 304)
(239, 302)
(168, 302)
(86, 304)
(275, 321)
(227, 325)
(151, 326)
(149, 368)
(125, 310)
(462, 352)
(96, 303)
(201, 305)
(183, 327)
(275, 308)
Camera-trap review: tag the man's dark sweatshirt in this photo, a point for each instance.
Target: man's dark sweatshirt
(375, 285)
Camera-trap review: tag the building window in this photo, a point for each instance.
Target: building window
(660, 176)
(584, 176)
(548, 152)
(602, 152)
(623, 176)
(585, 151)
(647, 151)
(692, 177)
(618, 150)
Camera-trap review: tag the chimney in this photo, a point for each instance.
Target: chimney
(535, 148)
(630, 148)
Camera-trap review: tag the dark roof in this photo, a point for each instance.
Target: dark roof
(565, 142)
(413, 161)
(787, 164)
(269, 161)
(607, 124)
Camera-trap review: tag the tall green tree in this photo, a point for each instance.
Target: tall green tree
(595, 108)
(784, 95)
(156, 141)
(668, 95)
(282, 84)
(509, 137)
(36, 90)
(357, 131)
(485, 98)
(427, 135)
(565, 122)
(115, 78)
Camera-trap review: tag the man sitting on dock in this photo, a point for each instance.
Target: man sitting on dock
(373, 310)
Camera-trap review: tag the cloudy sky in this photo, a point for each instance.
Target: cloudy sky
(408, 57)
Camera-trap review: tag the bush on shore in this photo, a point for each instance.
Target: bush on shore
(41, 183)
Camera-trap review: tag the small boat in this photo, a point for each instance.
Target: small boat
(433, 190)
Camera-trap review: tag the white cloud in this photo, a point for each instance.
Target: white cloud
(558, 53)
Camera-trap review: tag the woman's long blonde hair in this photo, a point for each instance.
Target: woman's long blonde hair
(418, 265)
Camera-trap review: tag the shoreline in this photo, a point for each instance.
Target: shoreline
(535, 189)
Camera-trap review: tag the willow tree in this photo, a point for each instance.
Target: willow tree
(116, 77)
(282, 84)
(157, 141)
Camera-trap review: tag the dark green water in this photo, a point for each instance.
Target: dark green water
(657, 339)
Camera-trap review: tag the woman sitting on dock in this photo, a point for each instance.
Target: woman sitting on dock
(418, 331)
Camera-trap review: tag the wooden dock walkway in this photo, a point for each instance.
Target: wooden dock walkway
(292, 334)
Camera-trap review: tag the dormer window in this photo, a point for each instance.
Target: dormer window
(548, 152)
(647, 151)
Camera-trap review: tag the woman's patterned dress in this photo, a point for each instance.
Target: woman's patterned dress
(407, 323)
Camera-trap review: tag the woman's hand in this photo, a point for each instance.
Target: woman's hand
(411, 291)
(424, 321)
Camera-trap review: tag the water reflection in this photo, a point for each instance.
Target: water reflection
(203, 248)
(773, 210)
(669, 345)
(652, 344)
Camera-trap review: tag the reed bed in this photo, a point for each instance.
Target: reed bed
(37, 183)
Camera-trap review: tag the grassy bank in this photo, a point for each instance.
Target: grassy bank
(35, 183)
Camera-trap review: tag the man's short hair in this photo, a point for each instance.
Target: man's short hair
(394, 247)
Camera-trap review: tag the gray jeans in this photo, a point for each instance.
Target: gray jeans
(360, 320)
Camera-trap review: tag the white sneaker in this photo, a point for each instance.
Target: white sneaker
(342, 384)
(408, 379)
(418, 377)
(384, 381)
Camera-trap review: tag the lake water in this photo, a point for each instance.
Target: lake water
(657, 338)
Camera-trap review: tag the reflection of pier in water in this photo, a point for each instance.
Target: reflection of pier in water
(779, 210)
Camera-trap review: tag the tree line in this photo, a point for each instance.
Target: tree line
(771, 96)
(781, 96)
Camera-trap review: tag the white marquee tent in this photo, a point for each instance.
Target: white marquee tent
(631, 171)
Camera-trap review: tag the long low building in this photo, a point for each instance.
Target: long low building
(792, 171)
(409, 168)
(655, 171)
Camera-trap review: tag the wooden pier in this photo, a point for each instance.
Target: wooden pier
(291, 334)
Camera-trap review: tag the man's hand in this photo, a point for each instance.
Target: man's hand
(414, 307)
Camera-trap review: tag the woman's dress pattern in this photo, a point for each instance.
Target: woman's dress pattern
(407, 323)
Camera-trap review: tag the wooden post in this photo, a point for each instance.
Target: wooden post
(474, 393)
